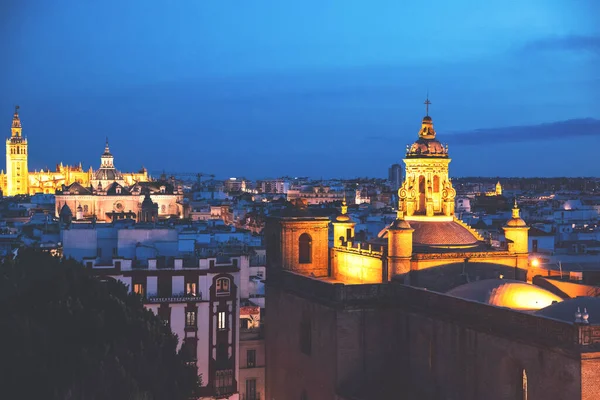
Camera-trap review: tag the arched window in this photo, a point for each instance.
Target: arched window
(223, 287)
(421, 184)
(436, 184)
(305, 249)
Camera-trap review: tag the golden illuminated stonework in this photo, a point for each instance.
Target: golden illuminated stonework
(19, 181)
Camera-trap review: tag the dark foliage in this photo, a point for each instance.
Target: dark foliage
(66, 335)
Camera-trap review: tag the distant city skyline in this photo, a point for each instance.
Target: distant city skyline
(252, 90)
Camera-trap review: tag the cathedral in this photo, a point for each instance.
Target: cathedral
(18, 180)
(427, 310)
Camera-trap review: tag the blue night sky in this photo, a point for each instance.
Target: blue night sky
(321, 88)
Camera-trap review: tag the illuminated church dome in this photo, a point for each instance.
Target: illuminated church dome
(427, 145)
(506, 293)
(107, 173)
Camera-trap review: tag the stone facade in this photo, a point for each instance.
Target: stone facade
(282, 236)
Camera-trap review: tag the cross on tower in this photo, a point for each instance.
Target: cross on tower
(16, 108)
(427, 103)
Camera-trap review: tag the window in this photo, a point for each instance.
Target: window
(251, 389)
(114, 252)
(224, 382)
(85, 208)
(223, 287)
(99, 252)
(163, 209)
(138, 288)
(534, 245)
(89, 264)
(524, 387)
(221, 320)
(190, 289)
(251, 358)
(305, 337)
(118, 264)
(190, 319)
(303, 395)
(305, 249)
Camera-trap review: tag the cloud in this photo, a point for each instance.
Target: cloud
(575, 43)
(538, 133)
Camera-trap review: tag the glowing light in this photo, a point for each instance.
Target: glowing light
(535, 262)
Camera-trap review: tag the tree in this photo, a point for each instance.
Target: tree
(64, 334)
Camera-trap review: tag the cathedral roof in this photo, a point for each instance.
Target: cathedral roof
(112, 190)
(509, 293)
(441, 233)
(436, 234)
(76, 188)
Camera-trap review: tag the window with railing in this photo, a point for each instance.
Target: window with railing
(190, 289)
(224, 382)
(190, 319)
(223, 287)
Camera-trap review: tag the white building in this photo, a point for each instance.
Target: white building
(199, 298)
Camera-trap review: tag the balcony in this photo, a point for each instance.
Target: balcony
(176, 298)
(224, 391)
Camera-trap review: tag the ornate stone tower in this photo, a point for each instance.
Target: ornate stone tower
(17, 173)
(297, 241)
(517, 236)
(343, 227)
(427, 190)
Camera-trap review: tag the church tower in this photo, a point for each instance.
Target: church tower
(427, 190)
(17, 173)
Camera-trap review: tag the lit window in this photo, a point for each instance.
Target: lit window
(221, 321)
(251, 358)
(190, 289)
(190, 319)
(138, 288)
(223, 287)
(305, 249)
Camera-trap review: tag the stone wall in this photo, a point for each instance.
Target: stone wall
(417, 343)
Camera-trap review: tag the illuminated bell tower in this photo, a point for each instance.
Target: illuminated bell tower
(17, 174)
(427, 190)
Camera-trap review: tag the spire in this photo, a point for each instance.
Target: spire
(106, 149)
(16, 123)
(344, 206)
(515, 210)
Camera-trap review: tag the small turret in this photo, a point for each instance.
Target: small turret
(343, 226)
(516, 233)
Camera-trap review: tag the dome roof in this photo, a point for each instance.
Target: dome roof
(343, 218)
(566, 309)
(427, 147)
(441, 233)
(516, 222)
(509, 293)
(400, 224)
(108, 174)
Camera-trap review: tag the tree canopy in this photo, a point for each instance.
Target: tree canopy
(64, 334)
